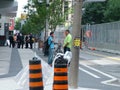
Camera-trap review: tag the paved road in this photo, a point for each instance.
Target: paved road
(99, 70)
(95, 68)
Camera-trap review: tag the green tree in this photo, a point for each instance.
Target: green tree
(56, 16)
(113, 11)
(18, 24)
(94, 13)
(38, 13)
(35, 21)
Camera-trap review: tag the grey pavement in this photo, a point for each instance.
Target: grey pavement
(109, 56)
(12, 62)
(109, 69)
(9, 59)
(5, 55)
(17, 59)
(106, 50)
(10, 66)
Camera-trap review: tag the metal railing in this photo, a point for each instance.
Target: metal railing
(106, 36)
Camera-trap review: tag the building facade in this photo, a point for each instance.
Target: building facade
(8, 10)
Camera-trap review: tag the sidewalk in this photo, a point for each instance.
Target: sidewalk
(5, 56)
(13, 83)
(39, 52)
(6, 81)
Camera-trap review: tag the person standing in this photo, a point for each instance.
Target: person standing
(67, 41)
(51, 48)
(26, 41)
(15, 40)
(22, 40)
(11, 41)
(31, 41)
(18, 40)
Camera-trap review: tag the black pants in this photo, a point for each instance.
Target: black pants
(66, 49)
(19, 43)
(31, 45)
(22, 44)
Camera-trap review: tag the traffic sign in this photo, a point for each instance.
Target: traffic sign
(89, 33)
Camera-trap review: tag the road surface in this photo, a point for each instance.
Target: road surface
(99, 70)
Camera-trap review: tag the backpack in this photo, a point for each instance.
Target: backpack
(46, 47)
(46, 44)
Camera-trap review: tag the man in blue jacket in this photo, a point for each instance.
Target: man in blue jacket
(51, 48)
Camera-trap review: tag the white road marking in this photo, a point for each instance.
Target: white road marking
(82, 88)
(107, 75)
(91, 74)
(107, 82)
(104, 62)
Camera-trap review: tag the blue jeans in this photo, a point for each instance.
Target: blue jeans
(50, 57)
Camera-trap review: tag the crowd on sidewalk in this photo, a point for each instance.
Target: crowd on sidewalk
(19, 40)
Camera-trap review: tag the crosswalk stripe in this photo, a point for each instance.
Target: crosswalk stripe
(91, 74)
(104, 62)
(105, 74)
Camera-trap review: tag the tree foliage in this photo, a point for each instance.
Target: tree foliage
(101, 12)
(18, 24)
(56, 16)
(94, 13)
(38, 13)
(113, 11)
(35, 21)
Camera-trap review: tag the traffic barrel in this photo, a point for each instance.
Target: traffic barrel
(60, 75)
(35, 75)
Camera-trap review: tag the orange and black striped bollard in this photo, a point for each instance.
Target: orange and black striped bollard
(60, 77)
(35, 75)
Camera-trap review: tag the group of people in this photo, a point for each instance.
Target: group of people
(19, 40)
(67, 45)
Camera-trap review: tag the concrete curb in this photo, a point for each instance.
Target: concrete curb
(105, 50)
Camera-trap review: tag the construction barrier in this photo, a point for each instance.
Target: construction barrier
(60, 74)
(35, 75)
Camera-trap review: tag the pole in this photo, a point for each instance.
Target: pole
(46, 29)
(47, 24)
(73, 78)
